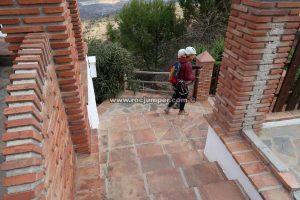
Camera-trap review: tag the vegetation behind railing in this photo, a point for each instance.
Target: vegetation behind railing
(159, 86)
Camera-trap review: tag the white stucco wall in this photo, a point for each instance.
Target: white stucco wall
(216, 151)
(92, 106)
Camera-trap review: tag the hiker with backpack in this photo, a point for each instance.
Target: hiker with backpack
(191, 55)
(180, 76)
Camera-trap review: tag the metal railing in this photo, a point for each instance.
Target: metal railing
(158, 84)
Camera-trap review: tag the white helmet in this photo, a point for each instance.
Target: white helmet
(191, 51)
(181, 53)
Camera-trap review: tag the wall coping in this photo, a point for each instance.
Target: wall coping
(237, 144)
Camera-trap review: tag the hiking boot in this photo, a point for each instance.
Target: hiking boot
(167, 111)
(183, 112)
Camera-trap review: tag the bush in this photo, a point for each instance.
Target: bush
(113, 62)
(217, 50)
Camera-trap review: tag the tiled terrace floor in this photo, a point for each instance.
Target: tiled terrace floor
(147, 155)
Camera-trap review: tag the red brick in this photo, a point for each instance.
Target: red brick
(19, 11)
(30, 194)
(239, 7)
(268, 12)
(31, 20)
(56, 28)
(24, 148)
(237, 20)
(6, 2)
(22, 179)
(18, 135)
(263, 181)
(9, 21)
(257, 26)
(32, 2)
(288, 4)
(21, 163)
(67, 81)
(60, 45)
(288, 37)
(22, 110)
(29, 29)
(255, 19)
(286, 19)
(65, 67)
(62, 53)
(295, 12)
(22, 87)
(51, 10)
(14, 38)
(234, 13)
(69, 88)
(259, 4)
(289, 180)
(24, 98)
(62, 60)
(292, 25)
(58, 36)
(251, 31)
(235, 32)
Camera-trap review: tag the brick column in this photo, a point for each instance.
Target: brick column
(258, 39)
(207, 61)
(39, 154)
(53, 17)
(77, 28)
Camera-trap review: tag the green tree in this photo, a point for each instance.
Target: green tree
(146, 27)
(208, 17)
(193, 9)
(113, 62)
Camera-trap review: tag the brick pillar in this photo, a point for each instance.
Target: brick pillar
(52, 17)
(39, 155)
(77, 28)
(207, 61)
(258, 39)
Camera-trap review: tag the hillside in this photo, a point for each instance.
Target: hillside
(96, 14)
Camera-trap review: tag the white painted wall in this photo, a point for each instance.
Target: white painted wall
(92, 106)
(215, 150)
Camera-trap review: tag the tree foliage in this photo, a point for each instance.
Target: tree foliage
(113, 62)
(145, 28)
(208, 17)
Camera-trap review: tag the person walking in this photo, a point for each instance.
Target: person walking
(185, 76)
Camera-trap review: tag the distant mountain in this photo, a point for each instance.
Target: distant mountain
(92, 9)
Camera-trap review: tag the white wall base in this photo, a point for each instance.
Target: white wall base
(289, 122)
(92, 106)
(215, 150)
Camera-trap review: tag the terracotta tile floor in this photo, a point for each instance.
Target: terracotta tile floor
(147, 155)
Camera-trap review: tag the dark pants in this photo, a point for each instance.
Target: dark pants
(177, 97)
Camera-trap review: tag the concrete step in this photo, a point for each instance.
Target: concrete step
(223, 190)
